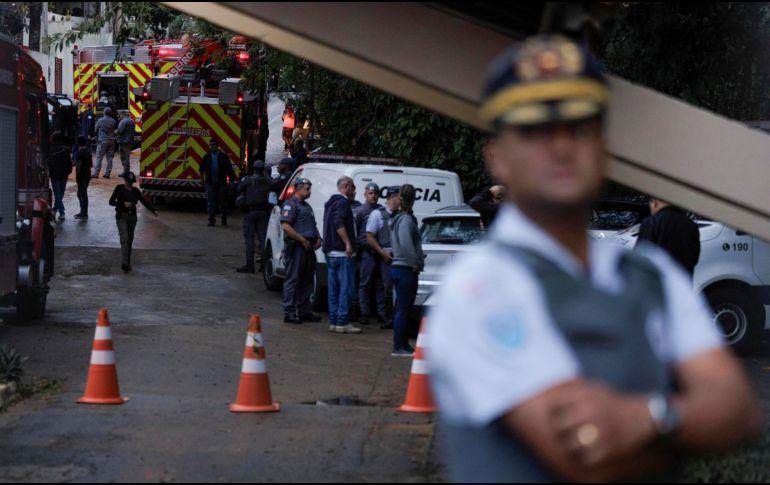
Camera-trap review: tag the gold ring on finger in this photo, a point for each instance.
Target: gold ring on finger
(587, 435)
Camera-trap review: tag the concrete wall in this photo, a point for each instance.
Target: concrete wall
(56, 24)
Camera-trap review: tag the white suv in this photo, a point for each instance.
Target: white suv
(733, 273)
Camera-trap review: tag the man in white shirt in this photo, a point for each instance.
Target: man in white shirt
(554, 357)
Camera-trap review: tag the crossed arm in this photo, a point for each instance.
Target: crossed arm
(715, 402)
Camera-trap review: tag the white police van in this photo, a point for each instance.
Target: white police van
(435, 189)
(733, 273)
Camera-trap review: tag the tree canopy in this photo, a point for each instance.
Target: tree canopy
(709, 54)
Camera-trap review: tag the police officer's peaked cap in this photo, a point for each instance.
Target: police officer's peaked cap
(371, 186)
(545, 79)
(286, 161)
(302, 181)
(394, 189)
(258, 165)
(107, 110)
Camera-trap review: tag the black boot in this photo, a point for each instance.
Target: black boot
(247, 268)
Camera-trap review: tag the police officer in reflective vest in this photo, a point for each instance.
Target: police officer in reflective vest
(378, 239)
(368, 260)
(556, 357)
(302, 239)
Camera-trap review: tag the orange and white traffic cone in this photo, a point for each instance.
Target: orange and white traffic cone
(254, 389)
(418, 396)
(102, 386)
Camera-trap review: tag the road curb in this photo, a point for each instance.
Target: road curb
(9, 394)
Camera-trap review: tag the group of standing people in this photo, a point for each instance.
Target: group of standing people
(112, 133)
(107, 132)
(378, 246)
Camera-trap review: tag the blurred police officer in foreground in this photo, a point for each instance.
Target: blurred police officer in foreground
(302, 239)
(555, 357)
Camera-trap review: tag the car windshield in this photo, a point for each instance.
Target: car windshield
(614, 219)
(451, 230)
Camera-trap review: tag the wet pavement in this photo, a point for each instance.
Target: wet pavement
(179, 321)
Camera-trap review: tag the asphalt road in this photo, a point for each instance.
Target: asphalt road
(179, 321)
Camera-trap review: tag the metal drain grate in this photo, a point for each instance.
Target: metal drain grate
(341, 401)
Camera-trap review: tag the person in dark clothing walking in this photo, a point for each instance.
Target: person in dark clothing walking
(671, 229)
(124, 198)
(60, 168)
(487, 202)
(215, 169)
(83, 164)
(256, 189)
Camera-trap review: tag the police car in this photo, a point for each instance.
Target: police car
(435, 189)
(733, 273)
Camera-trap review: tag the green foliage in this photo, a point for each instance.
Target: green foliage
(357, 119)
(13, 18)
(132, 21)
(713, 55)
(10, 365)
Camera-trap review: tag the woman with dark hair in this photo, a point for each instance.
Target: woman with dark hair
(124, 199)
(408, 262)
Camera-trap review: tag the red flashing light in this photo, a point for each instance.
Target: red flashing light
(240, 99)
(243, 56)
(165, 52)
(145, 95)
(149, 174)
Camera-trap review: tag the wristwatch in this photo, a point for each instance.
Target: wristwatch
(664, 414)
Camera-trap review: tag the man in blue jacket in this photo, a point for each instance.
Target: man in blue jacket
(339, 247)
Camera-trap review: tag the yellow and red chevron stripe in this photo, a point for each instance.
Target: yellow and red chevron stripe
(176, 138)
(86, 80)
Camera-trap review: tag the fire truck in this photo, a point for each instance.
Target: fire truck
(181, 94)
(114, 77)
(26, 233)
(182, 113)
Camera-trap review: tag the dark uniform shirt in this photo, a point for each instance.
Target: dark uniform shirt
(301, 217)
(676, 233)
(123, 194)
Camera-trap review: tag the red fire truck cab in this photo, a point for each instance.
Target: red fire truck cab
(26, 234)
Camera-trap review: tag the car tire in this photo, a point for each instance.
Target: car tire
(31, 300)
(736, 314)
(272, 281)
